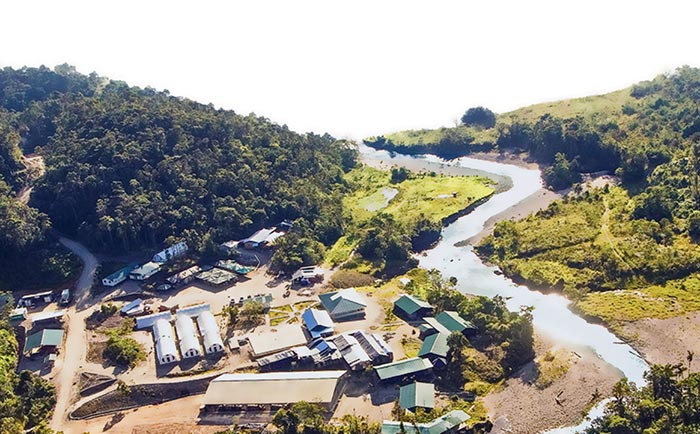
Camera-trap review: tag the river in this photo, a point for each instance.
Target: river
(551, 314)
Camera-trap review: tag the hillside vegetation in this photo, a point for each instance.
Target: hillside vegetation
(27, 400)
(130, 168)
(626, 252)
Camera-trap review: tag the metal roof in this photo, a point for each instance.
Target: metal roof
(165, 342)
(148, 321)
(45, 316)
(440, 425)
(436, 345)
(210, 332)
(417, 394)
(453, 322)
(122, 274)
(286, 336)
(194, 310)
(44, 338)
(317, 322)
(436, 325)
(411, 304)
(403, 367)
(344, 301)
(187, 337)
(274, 388)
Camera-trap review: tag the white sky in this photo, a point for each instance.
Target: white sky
(362, 67)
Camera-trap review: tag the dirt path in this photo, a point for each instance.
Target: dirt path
(36, 166)
(605, 232)
(75, 348)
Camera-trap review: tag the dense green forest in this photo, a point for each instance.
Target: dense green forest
(668, 404)
(128, 168)
(26, 400)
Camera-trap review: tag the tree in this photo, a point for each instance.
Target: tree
(562, 174)
(694, 226)
(479, 117)
(252, 313)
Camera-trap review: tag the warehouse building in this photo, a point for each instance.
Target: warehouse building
(166, 350)
(210, 332)
(187, 337)
(241, 391)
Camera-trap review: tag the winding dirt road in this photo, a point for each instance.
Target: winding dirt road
(75, 348)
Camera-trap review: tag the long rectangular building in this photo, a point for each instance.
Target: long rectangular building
(275, 388)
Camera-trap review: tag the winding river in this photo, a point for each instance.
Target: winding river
(551, 315)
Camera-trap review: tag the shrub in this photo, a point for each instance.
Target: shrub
(124, 351)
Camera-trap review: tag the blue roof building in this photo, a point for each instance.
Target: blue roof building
(317, 322)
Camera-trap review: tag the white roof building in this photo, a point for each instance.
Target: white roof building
(322, 387)
(166, 350)
(210, 332)
(145, 271)
(171, 252)
(144, 322)
(187, 337)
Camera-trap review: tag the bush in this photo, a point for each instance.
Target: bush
(124, 351)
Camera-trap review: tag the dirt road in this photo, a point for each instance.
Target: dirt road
(74, 349)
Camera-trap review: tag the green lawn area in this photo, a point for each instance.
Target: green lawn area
(674, 298)
(436, 197)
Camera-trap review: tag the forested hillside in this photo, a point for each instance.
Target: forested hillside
(128, 167)
(641, 236)
(26, 399)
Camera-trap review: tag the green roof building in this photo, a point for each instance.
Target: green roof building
(408, 367)
(412, 308)
(455, 323)
(344, 305)
(417, 394)
(450, 422)
(435, 349)
(50, 339)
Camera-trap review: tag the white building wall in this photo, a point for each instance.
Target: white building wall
(166, 350)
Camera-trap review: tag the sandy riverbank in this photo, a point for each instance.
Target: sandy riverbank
(523, 408)
(666, 341)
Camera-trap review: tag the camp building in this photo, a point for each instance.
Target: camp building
(448, 423)
(171, 252)
(344, 305)
(317, 322)
(239, 391)
(435, 349)
(49, 340)
(417, 395)
(166, 350)
(412, 308)
(414, 367)
(455, 323)
(210, 332)
(287, 336)
(187, 337)
(119, 276)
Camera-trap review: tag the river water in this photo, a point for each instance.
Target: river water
(551, 315)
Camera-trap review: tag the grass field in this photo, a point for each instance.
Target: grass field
(597, 105)
(435, 197)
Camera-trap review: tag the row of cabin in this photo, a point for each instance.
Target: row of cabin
(147, 270)
(434, 329)
(189, 343)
